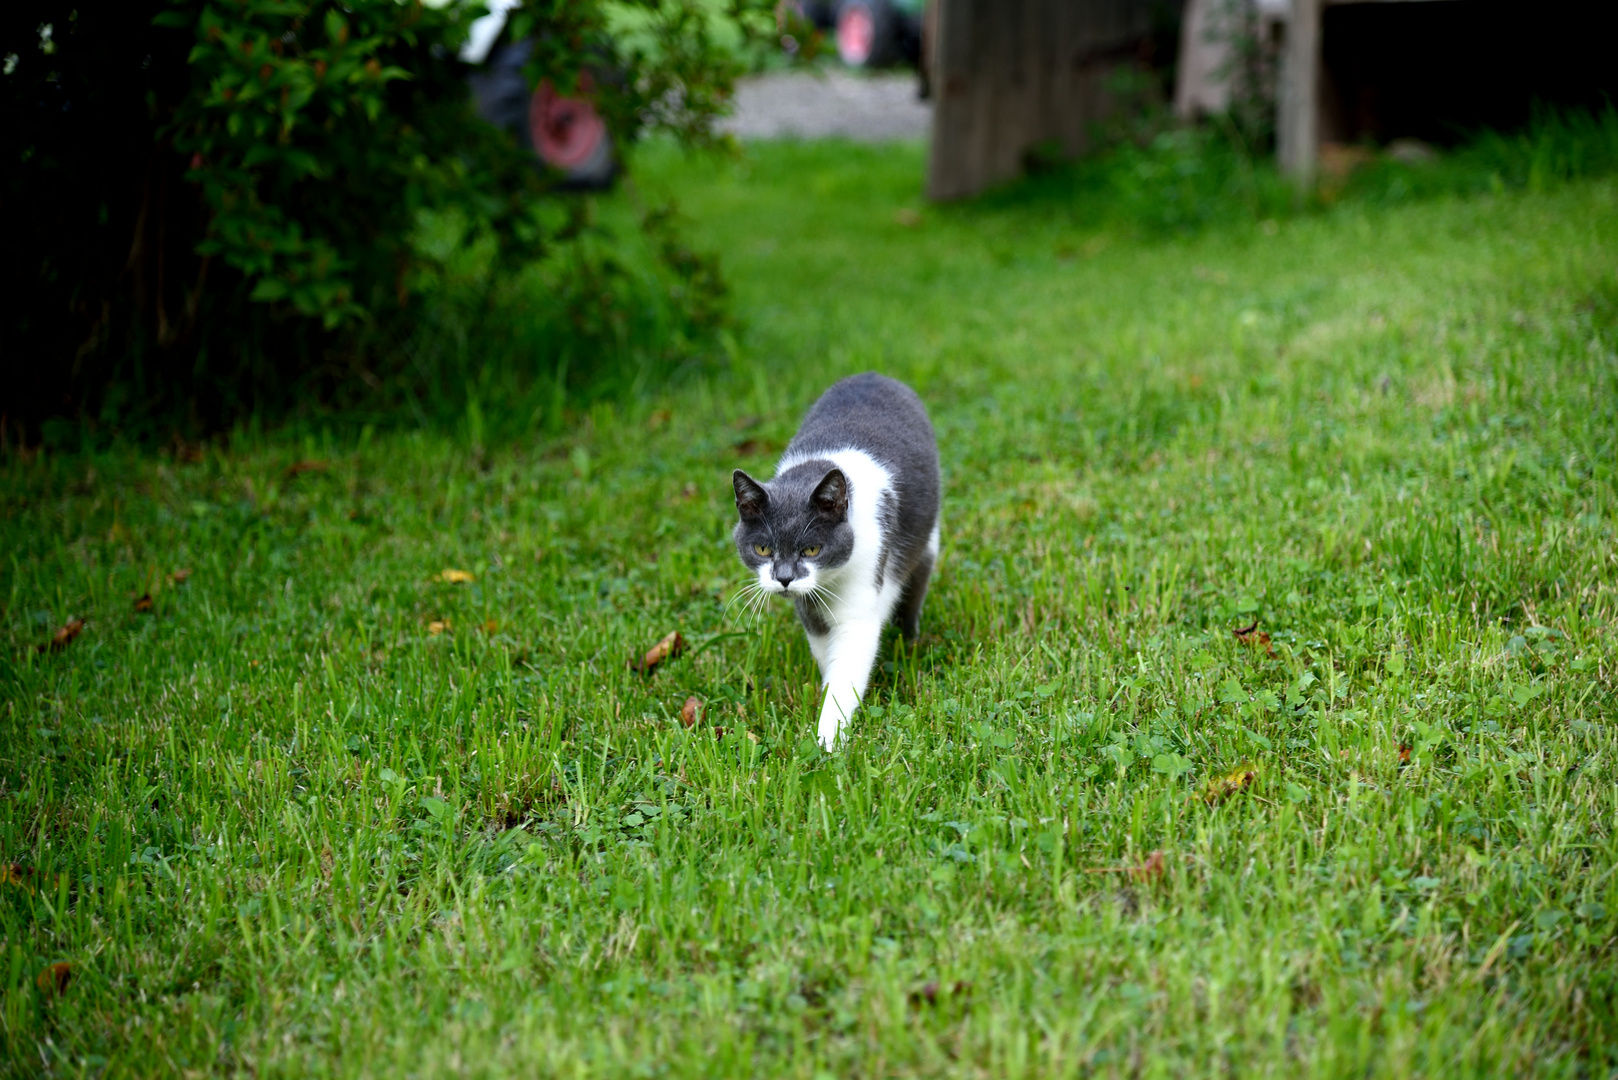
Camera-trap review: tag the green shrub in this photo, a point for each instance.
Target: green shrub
(216, 200)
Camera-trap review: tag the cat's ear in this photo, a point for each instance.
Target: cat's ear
(751, 498)
(831, 496)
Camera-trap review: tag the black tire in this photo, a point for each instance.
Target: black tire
(867, 33)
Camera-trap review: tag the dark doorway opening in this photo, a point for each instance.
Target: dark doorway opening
(1442, 69)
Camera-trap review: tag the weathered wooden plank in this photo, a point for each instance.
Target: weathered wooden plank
(1297, 134)
(1010, 75)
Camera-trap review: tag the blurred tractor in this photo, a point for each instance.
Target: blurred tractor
(566, 133)
(868, 33)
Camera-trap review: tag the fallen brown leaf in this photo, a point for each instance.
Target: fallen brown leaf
(720, 732)
(438, 626)
(1261, 638)
(672, 645)
(179, 576)
(691, 711)
(1220, 787)
(491, 627)
(456, 577)
(54, 978)
(143, 603)
(931, 991)
(64, 636)
(298, 468)
(1153, 868)
(1337, 160)
(1404, 753)
(17, 875)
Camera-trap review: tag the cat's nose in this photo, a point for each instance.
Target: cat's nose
(784, 575)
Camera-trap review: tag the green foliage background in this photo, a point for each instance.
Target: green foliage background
(220, 202)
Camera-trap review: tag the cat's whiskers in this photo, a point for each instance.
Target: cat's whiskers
(744, 593)
(819, 593)
(831, 616)
(755, 607)
(751, 596)
(829, 591)
(755, 604)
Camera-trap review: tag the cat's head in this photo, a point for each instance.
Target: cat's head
(794, 528)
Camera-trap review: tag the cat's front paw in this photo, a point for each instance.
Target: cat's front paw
(834, 716)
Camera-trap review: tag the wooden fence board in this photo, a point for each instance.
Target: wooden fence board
(1012, 75)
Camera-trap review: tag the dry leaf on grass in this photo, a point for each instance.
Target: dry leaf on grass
(1404, 753)
(1252, 635)
(456, 577)
(721, 732)
(932, 991)
(691, 711)
(438, 626)
(298, 468)
(671, 646)
(17, 876)
(491, 627)
(64, 636)
(1152, 869)
(54, 979)
(143, 603)
(1221, 787)
(179, 576)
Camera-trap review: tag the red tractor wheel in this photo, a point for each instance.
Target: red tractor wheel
(865, 33)
(569, 135)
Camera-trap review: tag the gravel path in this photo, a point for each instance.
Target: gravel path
(806, 105)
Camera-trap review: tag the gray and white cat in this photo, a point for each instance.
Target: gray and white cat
(848, 528)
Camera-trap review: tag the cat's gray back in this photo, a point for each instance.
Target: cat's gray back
(884, 418)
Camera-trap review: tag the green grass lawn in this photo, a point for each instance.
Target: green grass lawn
(321, 811)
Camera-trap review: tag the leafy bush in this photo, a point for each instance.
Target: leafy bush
(601, 316)
(215, 200)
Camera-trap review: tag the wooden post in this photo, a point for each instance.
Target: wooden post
(1298, 132)
(1013, 76)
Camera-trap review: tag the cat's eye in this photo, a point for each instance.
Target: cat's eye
(811, 552)
(762, 550)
